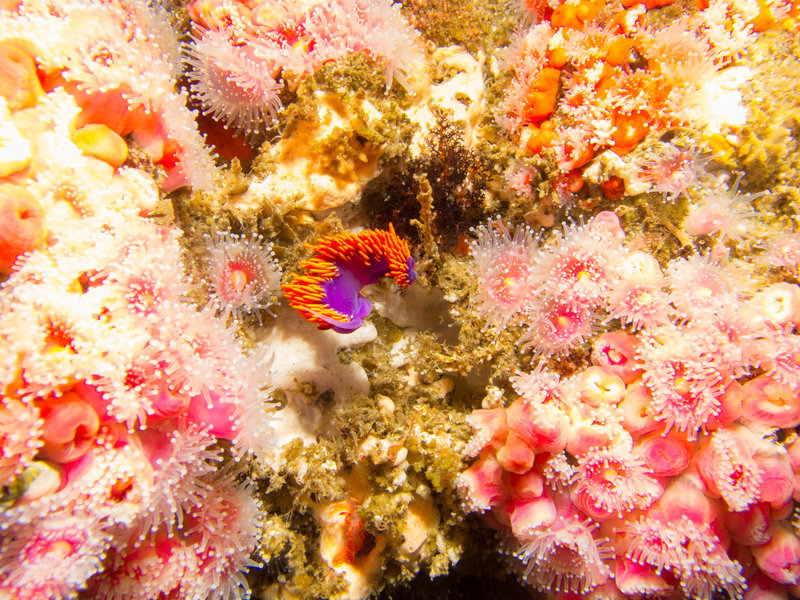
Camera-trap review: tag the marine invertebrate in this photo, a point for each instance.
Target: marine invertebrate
(116, 61)
(596, 428)
(198, 359)
(663, 455)
(178, 460)
(233, 83)
(242, 274)
(16, 150)
(778, 304)
(725, 213)
(224, 528)
(482, 485)
(673, 545)
(490, 428)
(637, 296)
(20, 437)
(70, 426)
(575, 267)
(166, 372)
(146, 570)
(558, 287)
(102, 142)
(672, 170)
(541, 386)
(175, 143)
(780, 557)
(347, 546)
(616, 351)
(51, 558)
(658, 479)
(641, 306)
(598, 386)
(22, 227)
(581, 87)
(59, 340)
(134, 390)
(729, 469)
(784, 251)
(344, 531)
(328, 291)
(566, 556)
(683, 372)
(527, 55)
(557, 327)
(611, 481)
(377, 28)
(750, 527)
(117, 386)
(19, 83)
(543, 427)
(146, 291)
(782, 363)
(771, 402)
(527, 515)
(516, 456)
(505, 268)
(241, 55)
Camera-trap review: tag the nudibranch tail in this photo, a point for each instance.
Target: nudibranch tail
(327, 292)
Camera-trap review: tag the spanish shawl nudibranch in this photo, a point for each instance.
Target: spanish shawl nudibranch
(328, 290)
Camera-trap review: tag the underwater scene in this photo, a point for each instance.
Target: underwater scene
(424, 299)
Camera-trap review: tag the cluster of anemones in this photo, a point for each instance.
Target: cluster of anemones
(670, 465)
(243, 52)
(120, 60)
(115, 391)
(583, 86)
(558, 290)
(599, 491)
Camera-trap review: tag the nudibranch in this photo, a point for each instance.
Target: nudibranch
(328, 291)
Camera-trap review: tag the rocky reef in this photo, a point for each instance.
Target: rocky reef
(357, 299)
